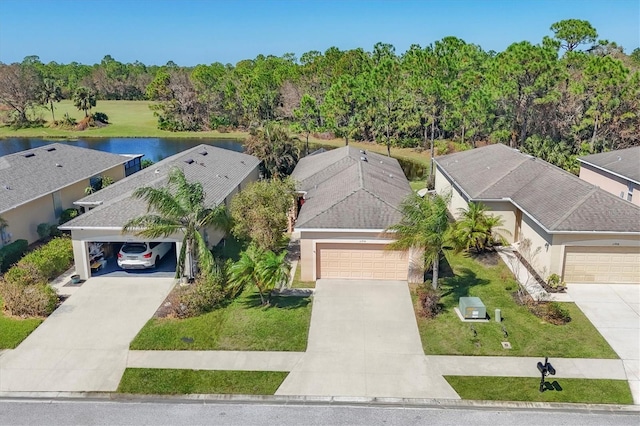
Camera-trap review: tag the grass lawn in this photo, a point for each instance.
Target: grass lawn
(417, 185)
(298, 283)
(243, 325)
(15, 330)
(528, 334)
(166, 381)
(527, 389)
(126, 118)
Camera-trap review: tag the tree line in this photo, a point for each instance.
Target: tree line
(571, 94)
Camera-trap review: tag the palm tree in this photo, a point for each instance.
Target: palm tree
(277, 150)
(262, 268)
(50, 93)
(179, 208)
(83, 99)
(477, 229)
(425, 226)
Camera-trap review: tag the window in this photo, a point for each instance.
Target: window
(629, 192)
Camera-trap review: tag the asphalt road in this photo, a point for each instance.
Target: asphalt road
(86, 412)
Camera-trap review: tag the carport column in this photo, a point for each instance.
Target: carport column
(81, 258)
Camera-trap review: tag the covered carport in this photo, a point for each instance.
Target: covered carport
(95, 252)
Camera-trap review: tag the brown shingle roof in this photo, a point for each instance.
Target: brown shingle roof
(558, 200)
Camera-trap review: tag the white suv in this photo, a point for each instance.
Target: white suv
(142, 255)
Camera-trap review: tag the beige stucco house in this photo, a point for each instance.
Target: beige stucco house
(617, 172)
(577, 230)
(221, 172)
(38, 184)
(348, 197)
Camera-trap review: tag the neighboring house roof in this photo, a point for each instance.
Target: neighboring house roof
(31, 174)
(220, 171)
(623, 162)
(343, 191)
(556, 199)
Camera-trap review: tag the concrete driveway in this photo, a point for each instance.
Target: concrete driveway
(83, 345)
(364, 341)
(614, 309)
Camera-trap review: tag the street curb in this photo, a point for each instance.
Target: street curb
(320, 400)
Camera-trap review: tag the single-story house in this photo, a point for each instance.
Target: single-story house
(98, 232)
(617, 172)
(579, 231)
(348, 197)
(38, 184)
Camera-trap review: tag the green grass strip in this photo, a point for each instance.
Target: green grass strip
(182, 382)
(588, 391)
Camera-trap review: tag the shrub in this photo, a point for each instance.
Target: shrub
(50, 260)
(557, 314)
(101, 117)
(25, 275)
(554, 281)
(11, 253)
(44, 230)
(428, 302)
(67, 215)
(204, 295)
(37, 300)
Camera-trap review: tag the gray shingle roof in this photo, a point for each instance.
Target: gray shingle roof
(623, 162)
(50, 168)
(220, 172)
(345, 192)
(558, 200)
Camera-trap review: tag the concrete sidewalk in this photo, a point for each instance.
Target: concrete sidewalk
(215, 360)
(498, 366)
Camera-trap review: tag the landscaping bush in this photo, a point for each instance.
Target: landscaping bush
(428, 302)
(67, 215)
(50, 260)
(28, 300)
(11, 253)
(44, 230)
(101, 117)
(25, 275)
(204, 295)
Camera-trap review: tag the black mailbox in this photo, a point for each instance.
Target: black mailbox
(550, 369)
(541, 368)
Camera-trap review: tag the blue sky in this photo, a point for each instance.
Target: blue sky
(191, 32)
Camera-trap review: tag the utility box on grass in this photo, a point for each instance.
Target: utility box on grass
(472, 308)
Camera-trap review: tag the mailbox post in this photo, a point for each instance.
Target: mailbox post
(544, 370)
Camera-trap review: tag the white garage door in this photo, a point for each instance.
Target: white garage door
(602, 265)
(361, 261)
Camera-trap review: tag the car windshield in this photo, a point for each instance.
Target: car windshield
(134, 248)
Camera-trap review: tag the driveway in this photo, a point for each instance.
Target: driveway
(364, 341)
(83, 345)
(614, 309)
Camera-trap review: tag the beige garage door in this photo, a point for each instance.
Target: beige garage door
(602, 265)
(360, 261)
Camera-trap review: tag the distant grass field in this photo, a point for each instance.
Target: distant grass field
(134, 119)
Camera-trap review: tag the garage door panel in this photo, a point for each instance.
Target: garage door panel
(602, 265)
(360, 261)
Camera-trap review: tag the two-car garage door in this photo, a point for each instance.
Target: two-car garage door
(602, 265)
(360, 261)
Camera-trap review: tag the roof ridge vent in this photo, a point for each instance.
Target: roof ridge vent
(189, 161)
(51, 148)
(364, 159)
(58, 165)
(29, 154)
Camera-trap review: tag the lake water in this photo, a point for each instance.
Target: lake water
(156, 149)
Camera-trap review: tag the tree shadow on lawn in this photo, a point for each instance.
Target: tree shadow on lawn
(280, 302)
(459, 285)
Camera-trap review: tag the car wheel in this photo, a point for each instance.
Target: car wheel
(155, 264)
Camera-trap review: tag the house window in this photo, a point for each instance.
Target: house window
(57, 203)
(629, 192)
(132, 166)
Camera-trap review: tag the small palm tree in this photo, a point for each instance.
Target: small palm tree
(476, 229)
(179, 208)
(50, 93)
(262, 268)
(425, 226)
(277, 150)
(84, 100)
